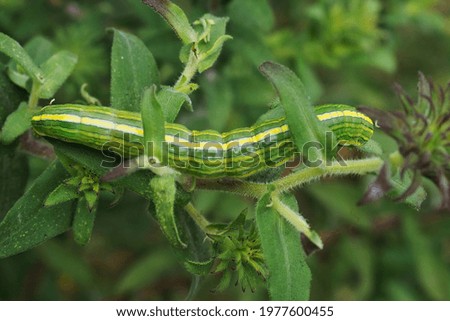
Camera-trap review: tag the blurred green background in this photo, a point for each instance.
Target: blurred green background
(345, 51)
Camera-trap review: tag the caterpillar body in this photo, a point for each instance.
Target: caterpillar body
(238, 153)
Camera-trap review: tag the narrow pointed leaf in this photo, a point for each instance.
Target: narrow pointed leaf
(297, 220)
(163, 192)
(209, 50)
(199, 268)
(14, 50)
(153, 124)
(17, 123)
(289, 274)
(40, 50)
(91, 199)
(399, 185)
(63, 193)
(171, 101)
(300, 116)
(133, 69)
(13, 165)
(83, 221)
(56, 70)
(175, 17)
(210, 56)
(28, 223)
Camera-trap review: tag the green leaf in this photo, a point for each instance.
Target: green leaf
(100, 165)
(63, 193)
(224, 282)
(433, 275)
(277, 111)
(16, 124)
(171, 101)
(401, 184)
(208, 58)
(153, 124)
(91, 198)
(163, 192)
(209, 51)
(28, 223)
(56, 70)
(175, 17)
(289, 275)
(13, 176)
(14, 50)
(199, 268)
(83, 221)
(133, 69)
(78, 154)
(40, 50)
(97, 163)
(196, 257)
(19, 77)
(13, 165)
(296, 219)
(145, 271)
(306, 129)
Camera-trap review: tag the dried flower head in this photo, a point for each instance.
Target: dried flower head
(422, 132)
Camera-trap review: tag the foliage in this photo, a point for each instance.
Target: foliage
(326, 51)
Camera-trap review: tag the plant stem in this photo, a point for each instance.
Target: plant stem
(34, 95)
(351, 167)
(296, 219)
(234, 186)
(198, 218)
(296, 179)
(299, 222)
(188, 73)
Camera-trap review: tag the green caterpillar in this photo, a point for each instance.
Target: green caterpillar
(238, 153)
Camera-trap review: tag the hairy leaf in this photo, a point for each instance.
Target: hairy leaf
(63, 193)
(153, 124)
(17, 123)
(163, 192)
(83, 221)
(133, 69)
(306, 129)
(14, 50)
(13, 165)
(56, 70)
(171, 101)
(40, 50)
(175, 17)
(289, 274)
(28, 223)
